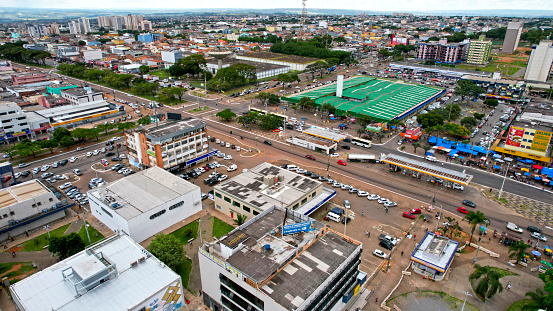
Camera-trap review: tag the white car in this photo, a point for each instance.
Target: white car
(36, 170)
(537, 235)
(336, 184)
(96, 152)
(232, 168)
(390, 204)
(89, 154)
(122, 156)
(228, 157)
(73, 159)
(346, 187)
(383, 200)
(223, 177)
(301, 171)
(227, 145)
(66, 185)
(379, 253)
(17, 175)
(373, 197)
(347, 204)
(45, 168)
(334, 155)
(216, 164)
(362, 193)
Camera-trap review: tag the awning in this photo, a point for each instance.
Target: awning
(526, 174)
(545, 179)
(496, 167)
(499, 160)
(538, 167)
(508, 159)
(460, 157)
(497, 156)
(524, 169)
(529, 161)
(537, 177)
(342, 125)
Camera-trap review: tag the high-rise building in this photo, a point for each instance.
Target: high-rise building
(84, 23)
(512, 37)
(37, 31)
(74, 27)
(103, 21)
(479, 51)
(442, 51)
(133, 21)
(117, 22)
(146, 25)
(540, 63)
(54, 28)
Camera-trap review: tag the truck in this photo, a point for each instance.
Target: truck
(368, 158)
(391, 239)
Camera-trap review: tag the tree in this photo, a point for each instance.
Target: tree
(125, 126)
(489, 284)
(81, 43)
(383, 53)
(60, 132)
(468, 122)
(306, 103)
(363, 120)
(430, 119)
(94, 74)
(491, 102)
(466, 88)
(126, 80)
(426, 148)
(457, 130)
(476, 218)
(518, 250)
(177, 91)
(329, 108)
(66, 245)
(168, 249)
(177, 70)
(284, 78)
(478, 116)
(538, 301)
(26, 148)
(150, 87)
(270, 122)
(360, 131)
(240, 219)
(193, 64)
(380, 136)
(416, 145)
(274, 99)
(144, 69)
(263, 97)
(226, 114)
(92, 133)
(66, 141)
(145, 120)
(105, 127)
(79, 133)
(49, 144)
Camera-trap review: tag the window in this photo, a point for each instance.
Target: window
(108, 213)
(303, 201)
(217, 194)
(12, 213)
(39, 203)
(157, 214)
(33, 205)
(313, 194)
(532, 134)
(247, 209)
(172, 207)
(234, 203)
(296, 206)
(227, 199)
(255, 213)
(50, 199)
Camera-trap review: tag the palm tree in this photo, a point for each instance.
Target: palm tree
(240, 219)
(475, 219)
(489, 285)
(416, 145)
(360, 131)
(380, 136)
(538, 300)
(295, 107)
(518, 250)
(426, 148)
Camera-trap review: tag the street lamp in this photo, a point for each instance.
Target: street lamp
(503, 183)
(476, 256)
(466, 295)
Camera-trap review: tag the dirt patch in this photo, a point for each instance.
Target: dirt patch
(15, 249)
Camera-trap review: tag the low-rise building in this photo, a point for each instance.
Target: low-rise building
(113, 274)
(281, 260)
(433, 256)
(254, 191)
(171, 146)
(92, 55)
(27, 206)
(145, 203)
(77, 96)
(57, 88)
(28, 78)
(294, 62)
(262, 70)
(75, 115)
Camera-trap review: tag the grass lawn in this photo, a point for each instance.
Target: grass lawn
(5, 267)
(199, 109)
(517, 305)
(38, 243)
(180, 235)
(184, 271)
(503, 272)
(220, 227)
(160, 73)
(95, 236)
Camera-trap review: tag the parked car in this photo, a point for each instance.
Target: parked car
(77, 172)
(267, 142)
(73, 159)
(533, 229)
(408, 215)
(379, 253)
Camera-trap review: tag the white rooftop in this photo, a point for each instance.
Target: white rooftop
(47, 290)
(144, 191)
(435, 251)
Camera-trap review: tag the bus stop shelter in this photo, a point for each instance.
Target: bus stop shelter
(419, 167)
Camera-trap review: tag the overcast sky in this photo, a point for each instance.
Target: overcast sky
(390, 5)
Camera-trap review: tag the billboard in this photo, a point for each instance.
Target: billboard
(541, 141)
(299, 227)
(514, 137)
(174, 116)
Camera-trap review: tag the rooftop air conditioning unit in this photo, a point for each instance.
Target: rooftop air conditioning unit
(134, 264)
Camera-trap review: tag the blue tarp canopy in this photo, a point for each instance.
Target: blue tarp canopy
(526, 174)
(475, 152)
(551, 183)
(452, 153)
(529, 161)
(460, 157)
(497, 156)
(537, 178)
(479, 149)
(342, 125)
(496, 167)
(432, 139)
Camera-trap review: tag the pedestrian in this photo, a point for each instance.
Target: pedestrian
(369, 234)
(13, 253)
(376, 299)
(27, 232)
(415, 236)
(362, 213)
(509, 286)
(401, 253)
(442, 163)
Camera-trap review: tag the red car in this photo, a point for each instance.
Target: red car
(342, 162)
(408, 215)
(415, 211)
(310, 157)
(463, 210)
(5, 179)
(206, 168)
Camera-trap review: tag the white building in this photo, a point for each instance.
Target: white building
(113, 274)
(74, 27)
(27, 206)
(77, 96)
(433, 256)
(145, 203)
(84, 23)
(294, 62)
(37, 31)
(13, 121)
(262, 70)
(540, 64)
(171, 57)
(74, 115)
(281, 260)
(92, 55)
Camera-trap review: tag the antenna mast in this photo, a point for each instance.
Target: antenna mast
(303, 12)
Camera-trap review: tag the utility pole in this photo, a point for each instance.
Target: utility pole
(476, 256)
(86, 228)
(502, 184)
(438, 222)
(465, 301)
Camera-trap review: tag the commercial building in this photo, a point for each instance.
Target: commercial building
(262, 70)
(83, 95)
(512, 37)
(148, 37)
(92, 55)
(27, 206)
(540, 63)
(57, 88)
(433, 256)
(171, 57)
(498, 88)
(146, 25)
(75, 115)
(442, 52)
(281, 260)
(172, 146)
(113, 274)
(13, 121)
(294, 62)
(28, 78)
(479, 51)
(145, 203)
(313, 143)
(256, 190)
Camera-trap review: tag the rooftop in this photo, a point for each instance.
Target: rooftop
(127, 286)
(435, 251)
(79, 91)
(322, 133)
(171, 130)
(281, 57)
(141, 192)
(538, 116)
(257, 188)
(260, 67)
(22, 192)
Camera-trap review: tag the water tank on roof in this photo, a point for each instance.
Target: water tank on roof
(267, 247)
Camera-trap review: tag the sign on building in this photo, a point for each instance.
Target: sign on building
(299, 227)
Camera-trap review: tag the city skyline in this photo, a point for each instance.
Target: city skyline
(395, 5)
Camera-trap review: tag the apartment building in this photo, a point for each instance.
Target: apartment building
(281, 260)
(37, 31)
(512, 37)
(540, 63)
(171, 146)
(479, 51)
(442, 52)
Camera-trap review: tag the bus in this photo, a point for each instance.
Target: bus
(268, 112)
(361, 142)
(368, 158)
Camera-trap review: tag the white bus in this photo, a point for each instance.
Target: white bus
(361, 142)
